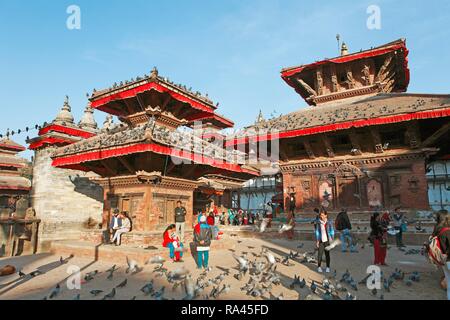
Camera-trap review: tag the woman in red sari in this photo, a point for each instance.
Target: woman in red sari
(378, 236)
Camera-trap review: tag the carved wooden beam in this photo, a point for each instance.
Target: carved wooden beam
(350, 80)
(141, 102)
(127, 165)
(412, 135)
(436, 136)
(165, 102)
(170, 167)
(129, 107)
(309, 149)
(318, 81)
(189, 172)
(327, 144)
(376, 138)
(355, 142)
(108, 168)
(308, 89)
(334, 79)
(385, 69)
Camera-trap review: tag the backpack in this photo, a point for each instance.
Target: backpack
(433, 250)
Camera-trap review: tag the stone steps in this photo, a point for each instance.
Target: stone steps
(118, 254)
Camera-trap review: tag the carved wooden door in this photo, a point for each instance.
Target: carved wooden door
(349, 195)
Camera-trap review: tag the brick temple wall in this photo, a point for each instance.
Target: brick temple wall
(151, 207)
(401, 183)
(63, 199)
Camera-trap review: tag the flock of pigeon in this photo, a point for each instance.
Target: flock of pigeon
(258, 276)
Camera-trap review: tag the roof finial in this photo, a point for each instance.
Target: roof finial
(260, 117)
(344, 49)
(88, 121)
(154, 73)
(65, 115)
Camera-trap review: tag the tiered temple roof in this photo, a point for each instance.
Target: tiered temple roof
(10, 164)
(129, 98)
(63, 130)
(382, 69)
(351, 91)
(152, 111)
(359, 112)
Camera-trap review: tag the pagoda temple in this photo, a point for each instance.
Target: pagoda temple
(362, 142)
(12, 183)
(153, 157)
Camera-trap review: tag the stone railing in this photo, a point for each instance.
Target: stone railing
(15, 232)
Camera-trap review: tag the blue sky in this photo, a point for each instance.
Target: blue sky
(231, 49)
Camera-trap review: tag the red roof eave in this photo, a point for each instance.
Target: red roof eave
(346, 58)
(12, 165)
(66, 130)
(12, 147)
(48, 141)
(70, 161)
(285, 75)
(101, 103)
(208, 116)
(343, 126)
(15, 188)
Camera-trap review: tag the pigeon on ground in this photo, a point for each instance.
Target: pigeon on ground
(133, 266)
(327, 296)
(35, 273)
(243, 263)
(148, 288)
(296, 282)
(156, 260)
(349, 297)
(313, 287)
(112, 269)
(55, 291)
(96, 292)
(110, 295)
(122, 284)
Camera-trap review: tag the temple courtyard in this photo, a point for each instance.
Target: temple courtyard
(222, 276)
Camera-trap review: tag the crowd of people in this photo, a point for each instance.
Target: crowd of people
(206, 225)
(382, 224)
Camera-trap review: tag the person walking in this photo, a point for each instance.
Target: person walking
(378, 237)
(292, 203)
(269, 214)
(324, 233)
(343, 225)
(399, 223)
(442, 231)
(180, 220)
(202, 241)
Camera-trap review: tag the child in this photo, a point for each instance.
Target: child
(174, 244)
(202, 241)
